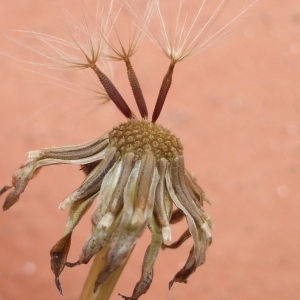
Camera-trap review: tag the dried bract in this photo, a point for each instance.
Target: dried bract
(134, 174)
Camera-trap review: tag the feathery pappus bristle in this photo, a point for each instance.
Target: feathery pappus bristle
(181, 33)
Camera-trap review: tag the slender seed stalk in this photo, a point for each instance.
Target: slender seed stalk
(105, 290)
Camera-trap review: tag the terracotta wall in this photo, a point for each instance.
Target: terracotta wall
(235, 107)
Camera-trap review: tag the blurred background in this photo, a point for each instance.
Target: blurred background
(236, 108)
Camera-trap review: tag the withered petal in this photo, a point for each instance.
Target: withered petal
(143, 185)
(77, 210)
(189, 268)
(120, 248)
(150, 257)
(28, 170)
(4, 189)
(20, 179)
(121, 241)
(81, 161)
(196, 189)
(137, 211)
(97, 240)
(195, 259)
(160, 210)
(177, 216)
(190, 220)
(60, 250)
(93, 181)
(178, 180)
(59, 253)
(116, 202)
(100, 234)
(74, 152)
(186, 235)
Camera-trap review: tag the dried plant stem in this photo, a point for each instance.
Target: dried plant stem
(104, 291)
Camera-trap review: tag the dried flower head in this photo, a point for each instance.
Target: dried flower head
(135, 173)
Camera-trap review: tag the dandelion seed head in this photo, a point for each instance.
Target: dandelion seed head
(135, 173)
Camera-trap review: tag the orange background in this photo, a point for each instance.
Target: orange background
(236, 109)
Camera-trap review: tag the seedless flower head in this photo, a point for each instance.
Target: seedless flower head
(135, 173)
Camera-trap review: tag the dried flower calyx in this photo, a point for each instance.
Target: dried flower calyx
(135, 172)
